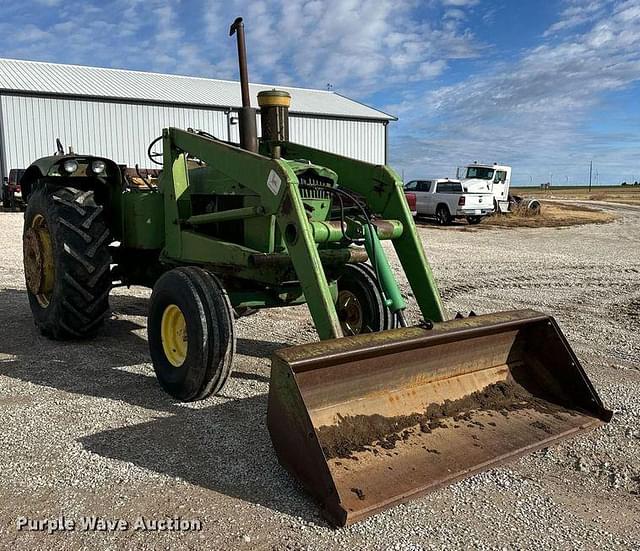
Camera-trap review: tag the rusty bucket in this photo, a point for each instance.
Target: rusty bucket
(370, 421)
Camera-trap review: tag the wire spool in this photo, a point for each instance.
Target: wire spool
(531, 205)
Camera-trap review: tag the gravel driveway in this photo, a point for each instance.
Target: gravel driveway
(86, 429)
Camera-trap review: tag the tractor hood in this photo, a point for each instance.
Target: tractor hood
(305, 168)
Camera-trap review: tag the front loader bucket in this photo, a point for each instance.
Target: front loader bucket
(370, 421)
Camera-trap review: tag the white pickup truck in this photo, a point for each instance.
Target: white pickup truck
(445, 200)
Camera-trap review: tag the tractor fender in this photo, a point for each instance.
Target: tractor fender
(29, 179)
(48, 171)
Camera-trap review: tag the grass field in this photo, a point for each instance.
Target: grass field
(613, 194)
(551, 215)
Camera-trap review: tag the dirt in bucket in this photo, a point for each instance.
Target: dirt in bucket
(362, 432)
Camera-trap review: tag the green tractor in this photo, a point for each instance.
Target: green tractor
(227, 229)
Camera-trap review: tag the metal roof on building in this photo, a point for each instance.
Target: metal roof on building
(37, 77)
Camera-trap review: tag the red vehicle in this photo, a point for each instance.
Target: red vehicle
(11, 190)
(413, 202)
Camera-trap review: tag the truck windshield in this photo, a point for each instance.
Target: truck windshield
(480, 172)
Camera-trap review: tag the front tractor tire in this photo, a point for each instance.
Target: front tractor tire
(360, 305)
(66, 262)
(191, 333)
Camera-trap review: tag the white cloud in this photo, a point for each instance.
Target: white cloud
(359, 46)
(530, 111)
(460, 2)
(430, 69)
(579, 12)
(30, 33)
(455, 13)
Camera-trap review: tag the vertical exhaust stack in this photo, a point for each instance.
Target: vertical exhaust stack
(274, 115)
(247, 114)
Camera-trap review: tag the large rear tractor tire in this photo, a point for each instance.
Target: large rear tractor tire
(191, 333)
(66, 262)
(360, 305)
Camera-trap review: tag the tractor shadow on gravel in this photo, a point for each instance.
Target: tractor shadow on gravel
(126, 305)
(257, 348)
(225, 448)
(97, 367)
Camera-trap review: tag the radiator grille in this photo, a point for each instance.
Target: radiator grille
(313, 180)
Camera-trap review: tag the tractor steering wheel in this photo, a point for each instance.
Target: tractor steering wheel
(153, 155)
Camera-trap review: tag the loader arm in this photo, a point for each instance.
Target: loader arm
(276, 185)
(383, 191)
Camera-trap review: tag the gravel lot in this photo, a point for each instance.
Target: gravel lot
(86, 430)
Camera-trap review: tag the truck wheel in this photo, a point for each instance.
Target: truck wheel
(474, 219)
(360, 306)
(442, 215)
(66, 262)
(191, 334)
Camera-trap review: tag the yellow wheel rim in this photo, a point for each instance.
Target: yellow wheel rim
(39, 265)
(173, 330)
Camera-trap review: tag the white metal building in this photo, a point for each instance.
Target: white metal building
(116, 113)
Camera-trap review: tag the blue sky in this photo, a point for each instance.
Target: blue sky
(543, 85)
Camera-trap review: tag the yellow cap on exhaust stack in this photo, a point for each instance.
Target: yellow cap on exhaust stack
(274, 98)
(274, 115)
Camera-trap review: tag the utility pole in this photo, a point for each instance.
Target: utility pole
(590, 171)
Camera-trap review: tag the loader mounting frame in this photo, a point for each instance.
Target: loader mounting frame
(278, 190)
